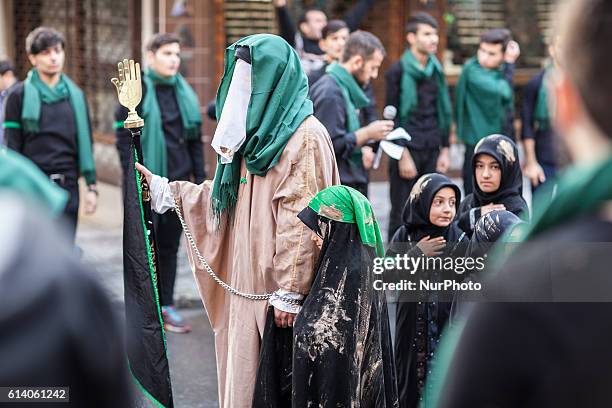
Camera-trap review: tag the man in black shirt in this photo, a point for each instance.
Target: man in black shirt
(416, 86)
(338, 99)
(172, 148)
(545, 341)
(311, 25)
(66, 331)
(537, 132)
(47, 121)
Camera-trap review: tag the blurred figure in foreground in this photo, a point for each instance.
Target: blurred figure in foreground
(541, 350)
(58, 328)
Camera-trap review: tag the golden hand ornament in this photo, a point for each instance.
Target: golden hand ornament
(129, 91)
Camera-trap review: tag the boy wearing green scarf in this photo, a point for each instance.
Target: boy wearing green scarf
(484, 95)
(47, 121)
(171, 146)
(338, 100)
(417, 87)
(551, 312)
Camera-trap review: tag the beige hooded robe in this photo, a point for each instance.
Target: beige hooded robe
(263, 248)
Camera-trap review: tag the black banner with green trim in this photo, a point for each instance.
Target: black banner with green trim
(146, 340)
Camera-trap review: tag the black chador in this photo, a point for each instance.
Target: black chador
(419, 324)
(342, 352)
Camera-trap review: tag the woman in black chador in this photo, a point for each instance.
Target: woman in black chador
(497, 182)
(429, 229)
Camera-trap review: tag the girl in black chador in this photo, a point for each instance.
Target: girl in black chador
(339, 352)
(429, 229)
(497, 182)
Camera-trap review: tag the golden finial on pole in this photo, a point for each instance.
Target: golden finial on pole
(129, 91)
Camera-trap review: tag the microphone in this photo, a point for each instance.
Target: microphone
(389, 113)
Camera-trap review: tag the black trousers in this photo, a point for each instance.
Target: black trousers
(168, 232)
(467, 170)
(399, 188)
(70, 184)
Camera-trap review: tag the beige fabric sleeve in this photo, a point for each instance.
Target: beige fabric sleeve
(312, 169)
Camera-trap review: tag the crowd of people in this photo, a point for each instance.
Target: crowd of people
(286, 213)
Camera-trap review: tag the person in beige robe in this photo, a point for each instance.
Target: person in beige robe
(260, 246)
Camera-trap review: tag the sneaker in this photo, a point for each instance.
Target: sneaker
(173, 321)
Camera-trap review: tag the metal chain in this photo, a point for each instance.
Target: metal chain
(212, 273)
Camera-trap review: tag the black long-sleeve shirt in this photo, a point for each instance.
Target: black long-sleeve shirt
(54, 147)
(316, 74)
(469, 212)
(422, 124)
(185, 157)
(544, 138)
(330, 109)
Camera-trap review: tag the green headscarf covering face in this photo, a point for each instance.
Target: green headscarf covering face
(345, 204)
(279, 104)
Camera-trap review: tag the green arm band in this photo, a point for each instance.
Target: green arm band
(11, 125)
(118, 124)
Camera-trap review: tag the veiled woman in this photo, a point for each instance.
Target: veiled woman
(342, 353)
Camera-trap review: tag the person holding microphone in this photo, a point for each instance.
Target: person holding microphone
(338, 98)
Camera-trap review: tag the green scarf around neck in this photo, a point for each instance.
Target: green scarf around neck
(354, 98)
(412, 73)
(542, 113)
(483, 98)
(36, 92)
(345, 204)
(279, 104)
(153, 139)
